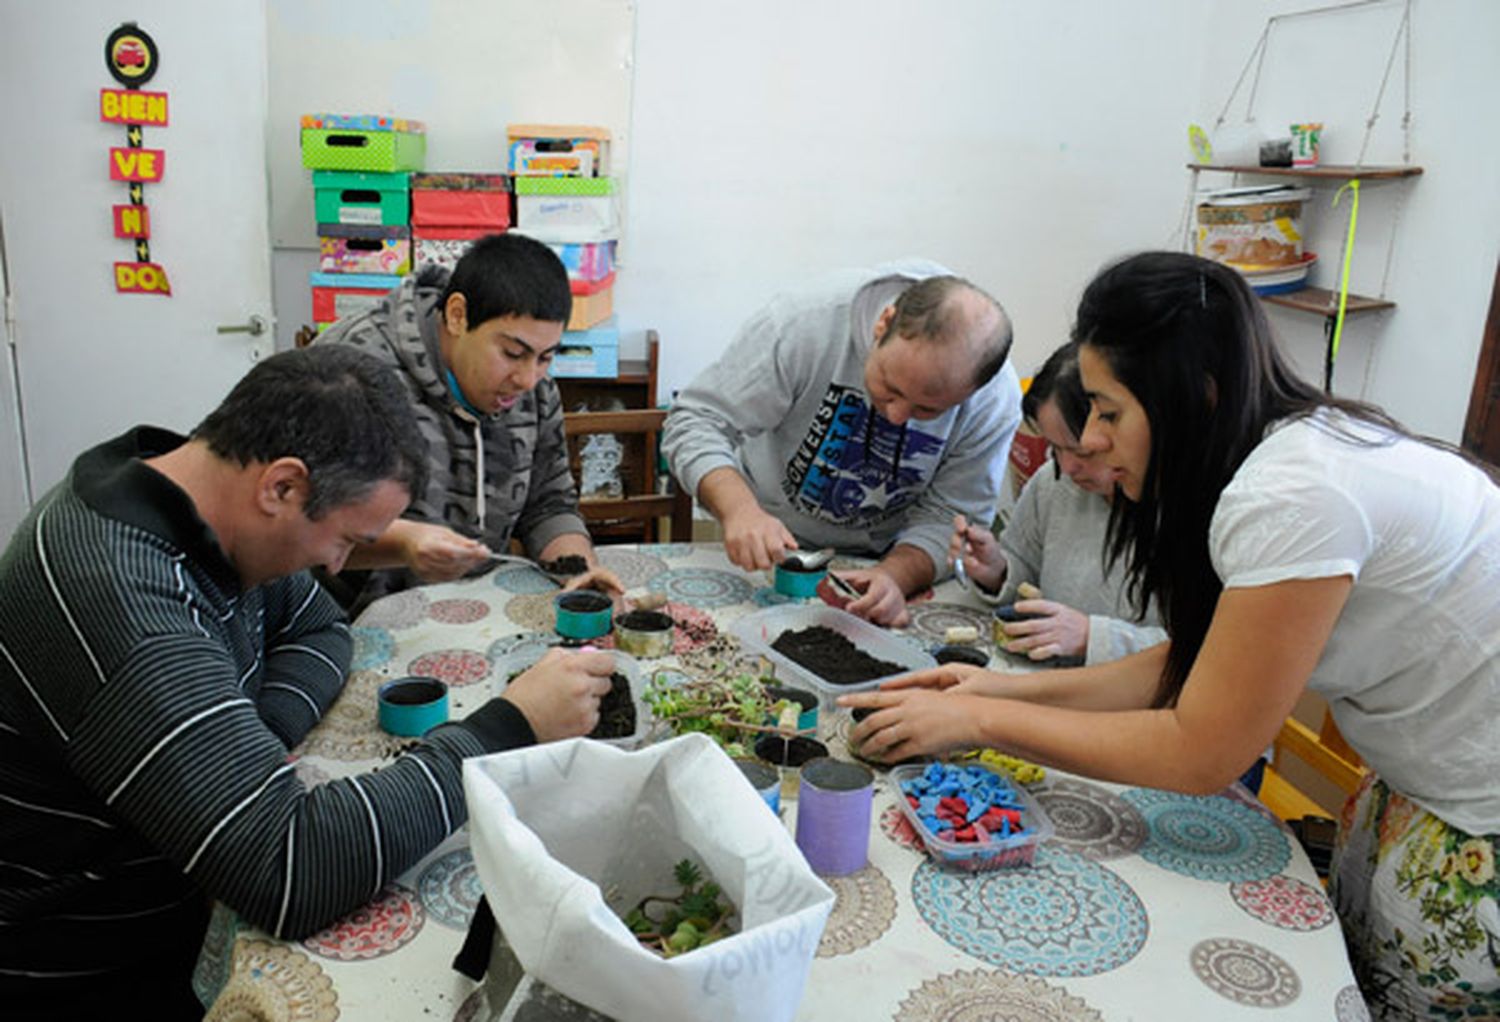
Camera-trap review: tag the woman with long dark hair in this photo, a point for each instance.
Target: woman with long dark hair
(1291, 540)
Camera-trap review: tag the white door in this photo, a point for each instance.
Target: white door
(91, 362)
(15, 493)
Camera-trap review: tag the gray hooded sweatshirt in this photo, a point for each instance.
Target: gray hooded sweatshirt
(527, 490)
(785, 405)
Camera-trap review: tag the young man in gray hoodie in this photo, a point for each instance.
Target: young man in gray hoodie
(473, 349)
(862, 414)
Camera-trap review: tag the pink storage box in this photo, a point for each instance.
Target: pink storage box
(347, 248)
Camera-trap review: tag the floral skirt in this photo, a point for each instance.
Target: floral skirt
(1417, 899)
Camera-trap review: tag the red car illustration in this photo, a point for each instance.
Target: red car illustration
(130, 53)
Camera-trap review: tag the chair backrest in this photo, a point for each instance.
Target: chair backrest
(636, 515)
(1325, 752)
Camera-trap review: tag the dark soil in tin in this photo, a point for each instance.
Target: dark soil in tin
(572, 564)
(789, 752)
(644, 621)
(831, 656)
(414, 693)
(956, 654)
(584, 602)
(791, 562)
(616, 710)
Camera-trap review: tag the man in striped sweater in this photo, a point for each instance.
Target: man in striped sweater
(162, 648)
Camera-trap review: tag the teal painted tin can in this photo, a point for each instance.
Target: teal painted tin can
(412, 706)
(582, 614)
(807, 714)
(797, 582)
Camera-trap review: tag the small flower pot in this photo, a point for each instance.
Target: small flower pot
(412, 706)
(765, 779)
(789, 754)
(807, 717)
(954, 653)
(1005, 614)
(791, 579)
(582, 614)
(644, 633)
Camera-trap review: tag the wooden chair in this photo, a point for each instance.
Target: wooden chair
(636, 516)
(1325, 752)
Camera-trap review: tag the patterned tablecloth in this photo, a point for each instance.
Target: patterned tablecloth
(1145, 904)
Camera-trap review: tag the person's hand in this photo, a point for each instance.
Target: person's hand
(944, 677)
(600, 578)
(1059, 631)
(560, 694)
(755, 540)
(980, 551)
(881, 601)
(913, 722)
(435, 553)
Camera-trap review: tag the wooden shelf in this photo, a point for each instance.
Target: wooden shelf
(1327, 172)
(1324, 302)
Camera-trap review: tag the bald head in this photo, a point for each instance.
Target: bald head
(952, 313)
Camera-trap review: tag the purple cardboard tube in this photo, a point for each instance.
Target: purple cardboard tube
(833, 816)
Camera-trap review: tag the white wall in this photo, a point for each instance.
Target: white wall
(1418, 360)
(1020, 144)
(466, 68)
(1025, 144)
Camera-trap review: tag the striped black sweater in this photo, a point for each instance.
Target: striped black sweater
(147, 706)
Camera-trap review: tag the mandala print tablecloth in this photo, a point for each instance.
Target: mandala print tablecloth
(1145, 904)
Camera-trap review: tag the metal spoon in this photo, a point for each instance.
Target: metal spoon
(526, 562)
(960, 573)
(810, 561)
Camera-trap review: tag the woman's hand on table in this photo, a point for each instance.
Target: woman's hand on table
(560, 694)
(435, 553)
(882, 602)
(1058, 631)
(914, 721)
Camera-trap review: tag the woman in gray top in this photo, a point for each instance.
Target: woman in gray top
(1054, 541)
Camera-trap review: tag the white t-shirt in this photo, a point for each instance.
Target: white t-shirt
(1412, 669)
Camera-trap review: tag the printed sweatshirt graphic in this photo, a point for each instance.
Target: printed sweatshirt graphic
(785, 405)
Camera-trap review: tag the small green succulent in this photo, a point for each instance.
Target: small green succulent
(696, 917)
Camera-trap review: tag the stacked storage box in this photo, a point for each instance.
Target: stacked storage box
(448, 211)
(361, 167)
(565, 197)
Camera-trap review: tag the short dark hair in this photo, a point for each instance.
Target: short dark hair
(1058, 381)
(926, 310)
(511, 275)
(338, 409)
(1188, 338)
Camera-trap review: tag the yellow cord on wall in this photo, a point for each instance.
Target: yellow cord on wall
(1338, 327)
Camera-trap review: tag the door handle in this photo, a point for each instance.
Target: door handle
(257, 326)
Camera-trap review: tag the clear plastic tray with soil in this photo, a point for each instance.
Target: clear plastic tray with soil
(828, 650)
